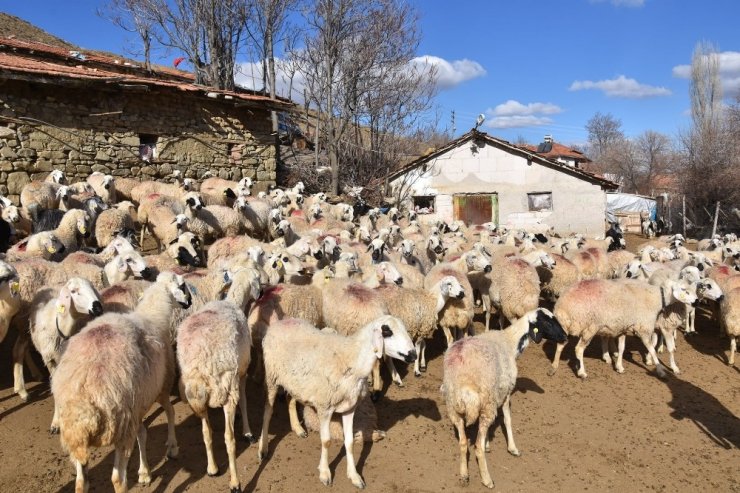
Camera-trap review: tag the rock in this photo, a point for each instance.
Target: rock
(149, 170)
(27, 153)
(16, 181)
(6, 166)
(7, 133)
(83, 170)
(8, 153)
(42, 165)
(101, 169)
(102, 156)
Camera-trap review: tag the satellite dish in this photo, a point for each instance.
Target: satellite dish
(479, 121)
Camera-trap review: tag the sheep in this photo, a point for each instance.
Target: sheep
(458, 315)
(123, 296)
(75, 226)
(145, 188)
(213, 353)
(56, 316)
(113, 222)
(10, 301)
(730, 309)
(124, 186)
(182, 253)
(104, 186)
(56, 176)
(585, 262)
(19, 222)
(479, 378)
(513, 287)
(45, 245)
(293, 349)
(418, 309)
(613, 308)
(219, 186)
(41, 194)
(109, 376)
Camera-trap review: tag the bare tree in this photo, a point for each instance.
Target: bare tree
(209, 32)
(604, 131)
(128, 15)
(705, 88)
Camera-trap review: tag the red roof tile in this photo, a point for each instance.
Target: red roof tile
(558, 150)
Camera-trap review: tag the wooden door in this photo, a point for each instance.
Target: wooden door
(476, 208)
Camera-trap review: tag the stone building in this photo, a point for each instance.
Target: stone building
(84, 111)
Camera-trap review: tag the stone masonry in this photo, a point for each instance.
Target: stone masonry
(84, 129)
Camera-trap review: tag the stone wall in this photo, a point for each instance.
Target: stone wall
(81, 130)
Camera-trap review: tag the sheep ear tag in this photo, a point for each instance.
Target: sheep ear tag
(280, 264)
(61, 309)
(83, 229)
(15, 288)
(51, 249)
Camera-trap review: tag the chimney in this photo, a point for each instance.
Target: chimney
(548, 139)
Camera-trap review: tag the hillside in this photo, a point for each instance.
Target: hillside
(11, 26)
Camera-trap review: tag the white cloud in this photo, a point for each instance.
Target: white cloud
(729, 72)
(518, 121)
(450, 74)
(513, 114)
(622, 3)
(249, 76)
(621, 87)
(515, 108)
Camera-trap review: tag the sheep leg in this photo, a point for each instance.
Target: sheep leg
(392, 369)
(172, 448)
(420, 365)
(620, 352)
(556, 359)
(246, 430)
(349, 442)
(377, 385)
(459, 424)
(448, 335)
(486, 300)
(295, 423)
(733, 350)
(269, 402)
(212, 467)
(605, 350)
(143, 230)
(81, 484)
(145, 476)
(32, 368)
(651, 351)
(324, 422)
(653, 342)
(480, 451)
(506, 408)
(20, 348)
(230, 440)
(580, 348)
(120, 464)
(54, 428)
(692, 318)
(670, 344)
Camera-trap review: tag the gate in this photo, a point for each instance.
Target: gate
(476, 208)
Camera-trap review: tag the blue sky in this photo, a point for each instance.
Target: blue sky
(532, 66)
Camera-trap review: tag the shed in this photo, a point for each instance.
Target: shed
(479, 178)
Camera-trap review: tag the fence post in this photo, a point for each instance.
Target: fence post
(716, 216)
(683, 214)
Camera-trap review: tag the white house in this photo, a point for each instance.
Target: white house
(478, 178)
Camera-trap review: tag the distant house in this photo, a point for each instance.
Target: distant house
(82, 111)
(478, 178)
(558, 152)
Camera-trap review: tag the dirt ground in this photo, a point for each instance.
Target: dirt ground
(611, 432)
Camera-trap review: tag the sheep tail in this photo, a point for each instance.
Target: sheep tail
(82, 423)
(468, 405)
(196, 392)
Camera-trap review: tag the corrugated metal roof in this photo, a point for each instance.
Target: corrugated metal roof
(51, 64)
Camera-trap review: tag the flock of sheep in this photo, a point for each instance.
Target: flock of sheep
(308, 298)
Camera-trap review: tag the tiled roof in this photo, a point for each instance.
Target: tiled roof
(52, 64)
(513, 149)
(558, 150)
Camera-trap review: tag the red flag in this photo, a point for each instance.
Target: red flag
(179, 60)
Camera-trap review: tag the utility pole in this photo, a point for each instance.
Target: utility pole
(716, 216)
(683, 214)
(454, 128)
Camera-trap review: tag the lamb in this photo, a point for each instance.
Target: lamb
(293, 349)
(21, 225)
(213, 352)
(74, 227)
(57, 315)
(730, 309)
(111, 373)
(458, 315)
(586, 310)
(365, 424)
(479, 377)
(419, 309)
(44, 245)
(56, 176)
(104, 186)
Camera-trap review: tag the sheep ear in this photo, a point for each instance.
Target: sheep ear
(378, 342)
(121, 264)
(369, 247)
(173, 241)
(64, 302)
(386, 330)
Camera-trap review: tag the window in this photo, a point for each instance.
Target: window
(540, 201)
(148, 147)
(424, 204)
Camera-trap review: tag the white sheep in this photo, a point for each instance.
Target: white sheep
(104, 186)
(294, 349)
(730, 309)
(57, 315)
(111, 374)
(479, 377)
(213, 352)
(10, 300)
(45, 245)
